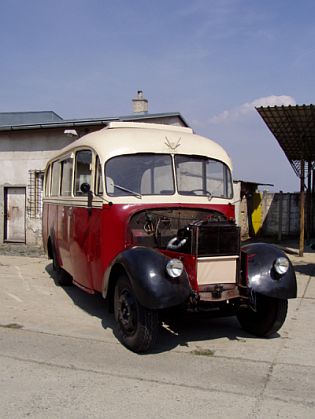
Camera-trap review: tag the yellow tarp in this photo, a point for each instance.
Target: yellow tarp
(257, 213)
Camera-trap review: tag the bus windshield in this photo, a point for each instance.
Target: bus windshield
(140, 174)
(152, 174)
(197, 175)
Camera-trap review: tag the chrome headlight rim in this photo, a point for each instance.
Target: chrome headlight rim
(174, 268)
(281, 265)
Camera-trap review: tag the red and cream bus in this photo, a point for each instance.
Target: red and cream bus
(144, 215)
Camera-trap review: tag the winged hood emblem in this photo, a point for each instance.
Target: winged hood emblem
(172, 144)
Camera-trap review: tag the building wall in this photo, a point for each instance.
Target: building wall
(267, 214)
(237, 201)
(167, 120)
(23, 154)
(281, 214)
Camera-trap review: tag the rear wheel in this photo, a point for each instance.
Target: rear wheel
(137, 325)
(268, 318)
(62, 277)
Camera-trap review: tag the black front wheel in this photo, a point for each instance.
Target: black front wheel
(268, 318)
(137, 325)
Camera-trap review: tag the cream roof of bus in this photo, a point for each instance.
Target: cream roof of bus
(126, 138)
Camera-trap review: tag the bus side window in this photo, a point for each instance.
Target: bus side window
(47, 181)
(83, 171)
(98, 177)
(55, 185)
(66, 176)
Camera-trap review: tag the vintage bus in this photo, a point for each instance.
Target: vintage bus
(144, 215)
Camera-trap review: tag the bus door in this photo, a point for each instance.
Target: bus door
(65, 212)
(80, 220)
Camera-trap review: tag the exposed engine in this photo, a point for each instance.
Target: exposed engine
(199, 232)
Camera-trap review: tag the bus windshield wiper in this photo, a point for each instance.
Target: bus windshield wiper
(136, 194)
(208, 194)
(205, 192)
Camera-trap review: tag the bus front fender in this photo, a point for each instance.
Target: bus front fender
(262, 277)
(146, 271)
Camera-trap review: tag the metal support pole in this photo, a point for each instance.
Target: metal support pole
(302, 210)
(280, 216)
(308, 203)
(312, 202)
(289, 214)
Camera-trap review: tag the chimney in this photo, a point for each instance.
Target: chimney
(139, 103)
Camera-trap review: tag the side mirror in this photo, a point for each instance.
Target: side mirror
(85, 188)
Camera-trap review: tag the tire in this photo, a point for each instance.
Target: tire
(62, 278)
(137, 326)
(268, 318)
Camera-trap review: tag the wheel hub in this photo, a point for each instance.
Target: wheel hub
(127, 313)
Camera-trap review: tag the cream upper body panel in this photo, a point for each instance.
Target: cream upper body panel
(120, 138)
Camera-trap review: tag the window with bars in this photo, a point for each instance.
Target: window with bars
(35, 193)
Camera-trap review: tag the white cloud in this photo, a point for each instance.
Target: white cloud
(248, 107)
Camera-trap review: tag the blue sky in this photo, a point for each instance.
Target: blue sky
(213, 61)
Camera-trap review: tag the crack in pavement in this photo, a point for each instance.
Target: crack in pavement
(152, 381)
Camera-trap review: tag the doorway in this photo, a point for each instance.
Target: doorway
(14, 214)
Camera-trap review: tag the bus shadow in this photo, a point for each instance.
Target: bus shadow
(92, 304)
(305, 269)
(183, 329)
(178, 328)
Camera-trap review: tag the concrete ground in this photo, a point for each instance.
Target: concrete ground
(59, 357)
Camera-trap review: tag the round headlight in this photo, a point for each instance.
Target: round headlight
(281, 265)
(174, 268)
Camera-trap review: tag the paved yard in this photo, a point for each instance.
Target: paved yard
(59, 357)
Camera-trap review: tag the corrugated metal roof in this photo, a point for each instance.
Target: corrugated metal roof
(251, 182)
(294, 129)
(28, 118)
(63, 123)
